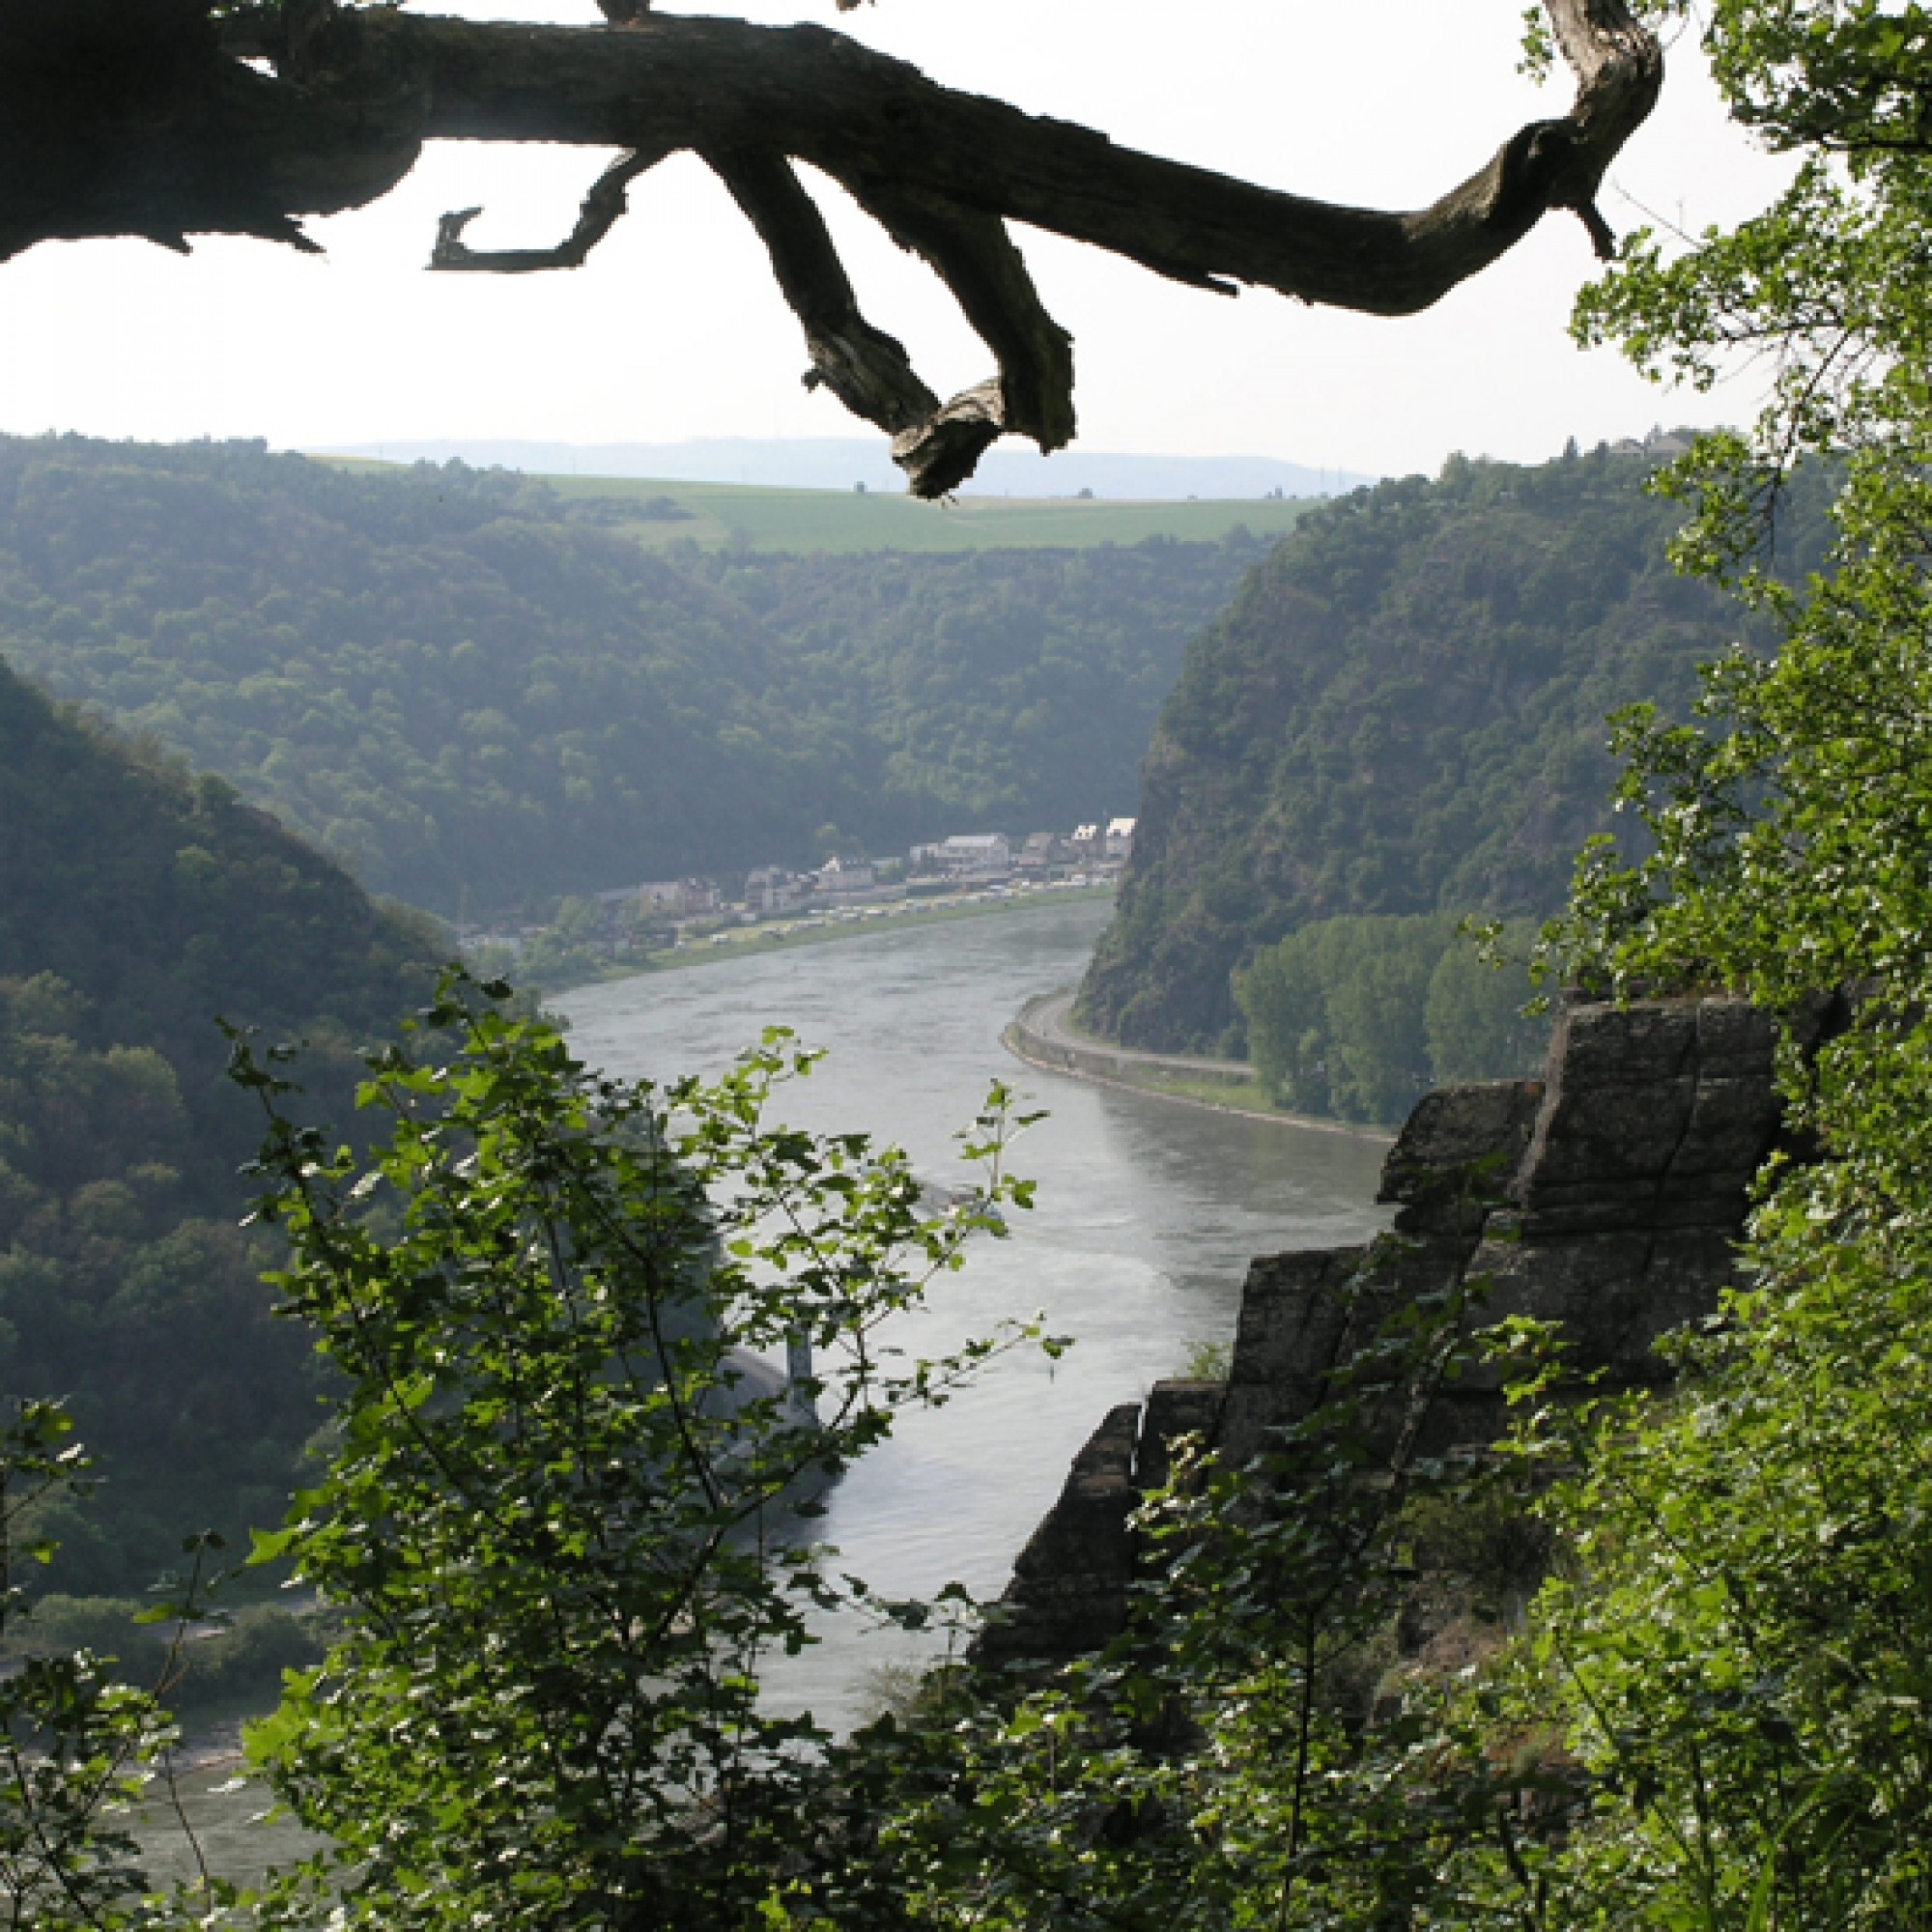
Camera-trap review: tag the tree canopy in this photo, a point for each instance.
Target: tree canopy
(171, 118)
(137, 903)
(1403, 713)
(476, 691)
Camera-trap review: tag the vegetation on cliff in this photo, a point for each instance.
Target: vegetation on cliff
(137, 903)
(1358, 1018)
(1402, 713)
(465, 687)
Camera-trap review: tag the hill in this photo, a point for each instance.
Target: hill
(836, 464)
(471, 685)
(1402, 713)
(136, 903)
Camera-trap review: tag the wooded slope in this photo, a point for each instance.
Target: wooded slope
(136, 905)
(462, 684)
(1401, 712)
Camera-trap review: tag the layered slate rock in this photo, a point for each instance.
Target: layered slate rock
(1607, 1198)
(1069, 1587)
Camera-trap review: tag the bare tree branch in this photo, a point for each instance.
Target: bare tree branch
(1032, 396)
(863, 367)
(135, 117)
(604, 207)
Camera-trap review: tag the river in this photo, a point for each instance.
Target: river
(1148, 1213)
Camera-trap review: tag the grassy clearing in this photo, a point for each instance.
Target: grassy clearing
(834, 520)
(842, 521)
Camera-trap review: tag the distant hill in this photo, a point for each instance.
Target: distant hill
(1402, 713)
(469, 686)
(138, 902)
(838, 463)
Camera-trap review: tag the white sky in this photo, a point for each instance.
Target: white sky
(674, 330)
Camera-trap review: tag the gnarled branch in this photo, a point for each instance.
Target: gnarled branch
(1033, 395)
(604, 207)
(132, 117)
(866, 369)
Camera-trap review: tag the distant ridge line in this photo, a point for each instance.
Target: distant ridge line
(837, 462)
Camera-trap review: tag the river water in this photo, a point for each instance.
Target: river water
(1147, 1214)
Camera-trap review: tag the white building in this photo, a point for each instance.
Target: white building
(1121, 837)
(1039, 853)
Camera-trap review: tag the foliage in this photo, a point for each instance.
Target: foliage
(235, 1667)
(1737, 1649)
(1738, 1646)
(474, 693)
(1825, 287)
(76, 1747)
(161, 898)
(1256, 1751)
(565, 1519)
(1359, 1017)
(1401, 714)
(570, 950)
(121, 1283)
(1741, 1649)
(136, 904)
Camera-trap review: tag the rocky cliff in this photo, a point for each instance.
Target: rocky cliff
(1607, 1197)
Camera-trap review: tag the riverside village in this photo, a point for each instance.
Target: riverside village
(626, 926)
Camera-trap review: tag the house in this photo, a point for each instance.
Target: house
(1121, 837)
(841, 879)
(1087, 843)
(1039, 852)
(980, 855)
(772, 889)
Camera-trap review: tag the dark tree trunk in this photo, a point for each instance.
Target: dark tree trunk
(138, 117)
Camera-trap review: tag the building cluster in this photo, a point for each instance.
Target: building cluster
(643, 914)
(1101, 845)
(965, 862)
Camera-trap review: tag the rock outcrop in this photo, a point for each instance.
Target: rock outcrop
(1606, 1197)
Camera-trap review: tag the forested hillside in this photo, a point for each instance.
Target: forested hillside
(462, 684)
(136, 905)
(1401, 713)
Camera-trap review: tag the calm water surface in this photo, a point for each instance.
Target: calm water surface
(1148, 1215)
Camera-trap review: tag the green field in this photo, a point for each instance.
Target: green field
(819, 521)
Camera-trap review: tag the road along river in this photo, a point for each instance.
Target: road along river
(1147, 1214)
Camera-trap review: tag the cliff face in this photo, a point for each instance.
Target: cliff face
(1606, 1197)
(1401, 712)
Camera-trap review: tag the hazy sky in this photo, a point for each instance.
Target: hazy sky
(675, 330)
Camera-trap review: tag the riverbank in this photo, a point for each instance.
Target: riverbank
(751, 942)
(1043, 1036)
